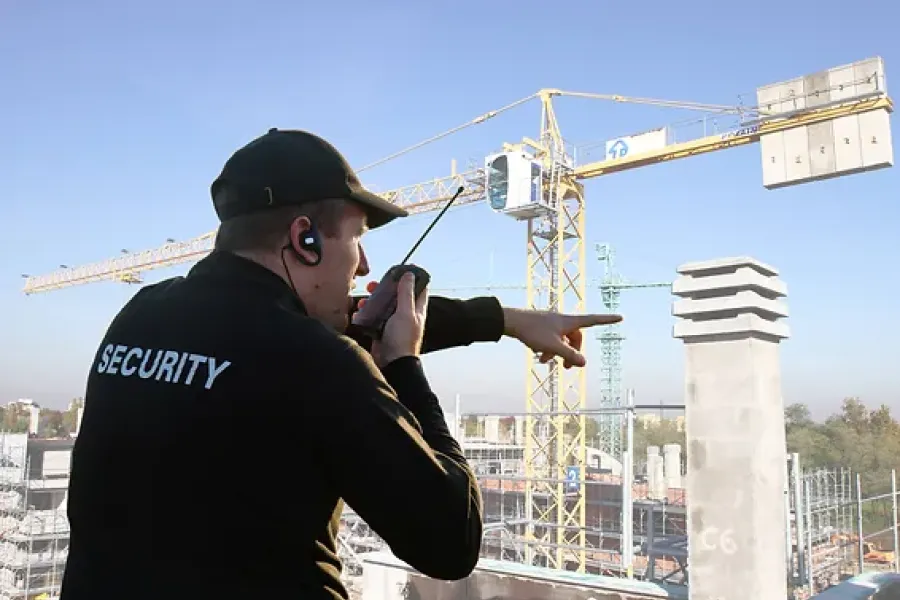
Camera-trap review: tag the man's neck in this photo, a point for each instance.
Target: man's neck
(267, 261)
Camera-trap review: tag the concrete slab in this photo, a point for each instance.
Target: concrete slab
(726, 265)
(712, 284)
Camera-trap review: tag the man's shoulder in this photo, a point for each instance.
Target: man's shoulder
(305, 335)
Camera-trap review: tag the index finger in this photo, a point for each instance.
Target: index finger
(581, 321)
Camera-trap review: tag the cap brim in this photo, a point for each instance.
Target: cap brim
(378, 210)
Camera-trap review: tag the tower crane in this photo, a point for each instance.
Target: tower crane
(538, 181)
(611, 286)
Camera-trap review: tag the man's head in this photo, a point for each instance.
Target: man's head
(289, 201)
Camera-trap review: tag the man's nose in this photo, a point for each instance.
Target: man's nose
(363, 268)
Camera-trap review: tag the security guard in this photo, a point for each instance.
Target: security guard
(227, 418)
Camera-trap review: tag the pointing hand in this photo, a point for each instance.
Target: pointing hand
(553, 334)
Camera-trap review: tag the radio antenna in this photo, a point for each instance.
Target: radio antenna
(433, 223)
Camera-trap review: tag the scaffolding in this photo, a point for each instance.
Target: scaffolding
(833, 530)
(658, 520)
(34, 529)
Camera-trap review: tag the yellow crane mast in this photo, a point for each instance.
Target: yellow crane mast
(537, 181)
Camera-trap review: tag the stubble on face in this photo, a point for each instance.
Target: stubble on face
(344, 261)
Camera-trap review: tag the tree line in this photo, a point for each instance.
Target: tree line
(16, 418)
(864, 440)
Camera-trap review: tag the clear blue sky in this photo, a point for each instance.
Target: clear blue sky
(117, 117)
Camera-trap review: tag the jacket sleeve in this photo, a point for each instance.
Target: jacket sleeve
(452, 323)
(385, 440)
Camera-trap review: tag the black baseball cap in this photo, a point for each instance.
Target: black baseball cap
(289, 167)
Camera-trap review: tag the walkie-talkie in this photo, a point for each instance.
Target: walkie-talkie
(371, 318)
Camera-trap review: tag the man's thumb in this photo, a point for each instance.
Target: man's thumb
(568, 354)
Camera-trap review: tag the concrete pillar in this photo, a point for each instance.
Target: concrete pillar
(520, 431)
(658, 490)
(727, 316)
(492, 428)
(672, 460)
(652, 458)
(34, 419)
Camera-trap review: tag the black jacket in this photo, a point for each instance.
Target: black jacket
(223, 427)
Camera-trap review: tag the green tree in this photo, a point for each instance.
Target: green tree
(470, 426)
(797, 416)
(591, 427)
(659, 434)
(51, 424)
(16, 419)
(866, 441)
(70, 417)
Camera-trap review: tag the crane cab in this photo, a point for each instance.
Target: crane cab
(515, 185)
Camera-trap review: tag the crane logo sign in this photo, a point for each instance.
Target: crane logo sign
(649, 141)
(618, 149)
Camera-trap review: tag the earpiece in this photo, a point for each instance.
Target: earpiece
(309, 240)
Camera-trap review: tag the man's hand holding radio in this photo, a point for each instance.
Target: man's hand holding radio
(404, 330)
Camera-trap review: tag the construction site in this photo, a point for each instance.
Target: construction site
(34, 530)
(568, 517)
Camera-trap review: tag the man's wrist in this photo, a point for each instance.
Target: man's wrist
(512, 318)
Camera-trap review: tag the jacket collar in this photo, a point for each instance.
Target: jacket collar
(247, 274)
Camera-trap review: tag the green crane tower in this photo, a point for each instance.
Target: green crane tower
(611, 392)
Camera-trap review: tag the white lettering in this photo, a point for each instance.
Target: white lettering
(215, 371)
(104, 358)
(177, 376)
(117, 356)
(143, 373)
(714, 539)
(165, 366)
(128, 370)
(196, 361)
(170, 359)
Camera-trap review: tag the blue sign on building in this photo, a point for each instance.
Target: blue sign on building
(573, 479)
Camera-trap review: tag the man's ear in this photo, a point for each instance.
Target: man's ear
(305, 241)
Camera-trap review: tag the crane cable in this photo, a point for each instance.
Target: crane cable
(715, 108)
(476, 121)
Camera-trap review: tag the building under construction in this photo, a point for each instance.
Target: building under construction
(497, 455)
(34, 530)
(658, 507)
